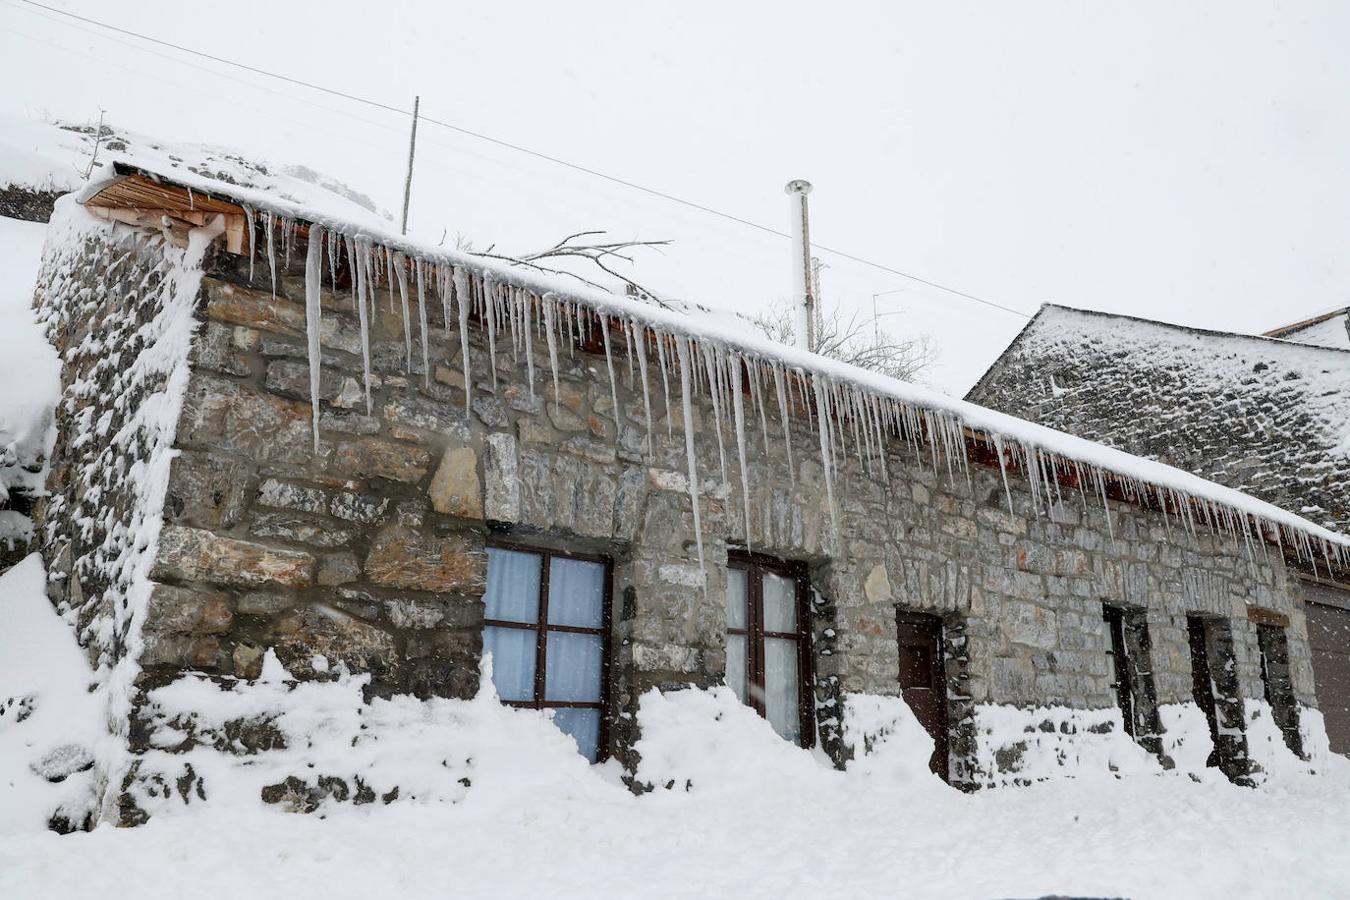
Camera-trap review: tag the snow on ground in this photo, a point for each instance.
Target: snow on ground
(50, 723)
(30, 372)
(793, 829)
(746, 814)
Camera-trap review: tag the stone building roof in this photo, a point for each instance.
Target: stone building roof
(1268, 417)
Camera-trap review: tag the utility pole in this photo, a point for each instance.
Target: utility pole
(804, 299)
(876, 317)
(412, 149)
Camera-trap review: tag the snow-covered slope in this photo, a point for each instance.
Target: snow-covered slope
(30, 374)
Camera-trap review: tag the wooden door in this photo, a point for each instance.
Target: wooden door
(923, 682)
(1328, 612)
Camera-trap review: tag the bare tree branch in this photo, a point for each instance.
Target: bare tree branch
(854, 340)
(600, 253)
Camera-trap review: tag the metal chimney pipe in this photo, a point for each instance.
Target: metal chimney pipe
(804, 300)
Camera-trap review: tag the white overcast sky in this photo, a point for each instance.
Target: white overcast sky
(1179, 161)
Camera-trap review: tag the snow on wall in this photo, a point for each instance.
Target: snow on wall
(315, 745)
(1185, 737)
(1021, 746)
(118, 304)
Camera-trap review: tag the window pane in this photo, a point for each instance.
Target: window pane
(584, 727)
(572, 670)
(513, 659)
(736, 598)
(736, 658)
(513, 586)
(780, 603)
(780, 687)
(576, 592)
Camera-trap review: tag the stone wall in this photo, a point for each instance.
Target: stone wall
(369, 552)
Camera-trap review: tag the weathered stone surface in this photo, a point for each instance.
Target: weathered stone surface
(429, 415)
(290, 378)
(173, 608)
(338, 568)
(433, 612)
(381, 459)
(404, 558)
(364, 509)
(247, 660)
(455, 489)
(240, 306)
(329, 632)
(186, 651)
(225, 415)
(262, 603)
(193, 554)
(289, 526)
(289, 495)
(502, 476)
(207, 491)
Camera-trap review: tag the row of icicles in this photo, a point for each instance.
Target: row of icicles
(842, 413)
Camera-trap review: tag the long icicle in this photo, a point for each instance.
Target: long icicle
(362, 287)
(686, 390)
(613, 388)
(527, 332)
(638, 336)
(549, 303)
(462, 305)
(401, 274)
(422, 321)
(313, 285)
(738, 413)
(820, 385)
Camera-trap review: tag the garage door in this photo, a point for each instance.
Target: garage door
(1328, 612)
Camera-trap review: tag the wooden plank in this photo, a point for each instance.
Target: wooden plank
(1258, 616)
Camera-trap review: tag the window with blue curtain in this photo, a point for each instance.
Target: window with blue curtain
(545, 626)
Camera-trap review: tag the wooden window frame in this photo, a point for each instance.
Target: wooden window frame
(755, 565)
(541, 628)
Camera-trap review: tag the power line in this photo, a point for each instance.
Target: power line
(527, 151)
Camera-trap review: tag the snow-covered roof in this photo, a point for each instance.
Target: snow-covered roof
(1266, 416)
(840, 389)
(54, 156)
(1328, 329)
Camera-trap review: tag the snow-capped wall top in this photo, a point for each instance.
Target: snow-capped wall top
(1265, 416)
(1328, 329)
(703, 348)
(54, 156)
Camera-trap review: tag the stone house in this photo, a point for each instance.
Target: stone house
(286, 433)
(1267, 417)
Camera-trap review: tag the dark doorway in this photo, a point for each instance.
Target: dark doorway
(923, 681)
(1202, 682)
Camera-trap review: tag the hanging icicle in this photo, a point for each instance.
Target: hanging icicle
(686, 400)
(422, 321)
(313, 285)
